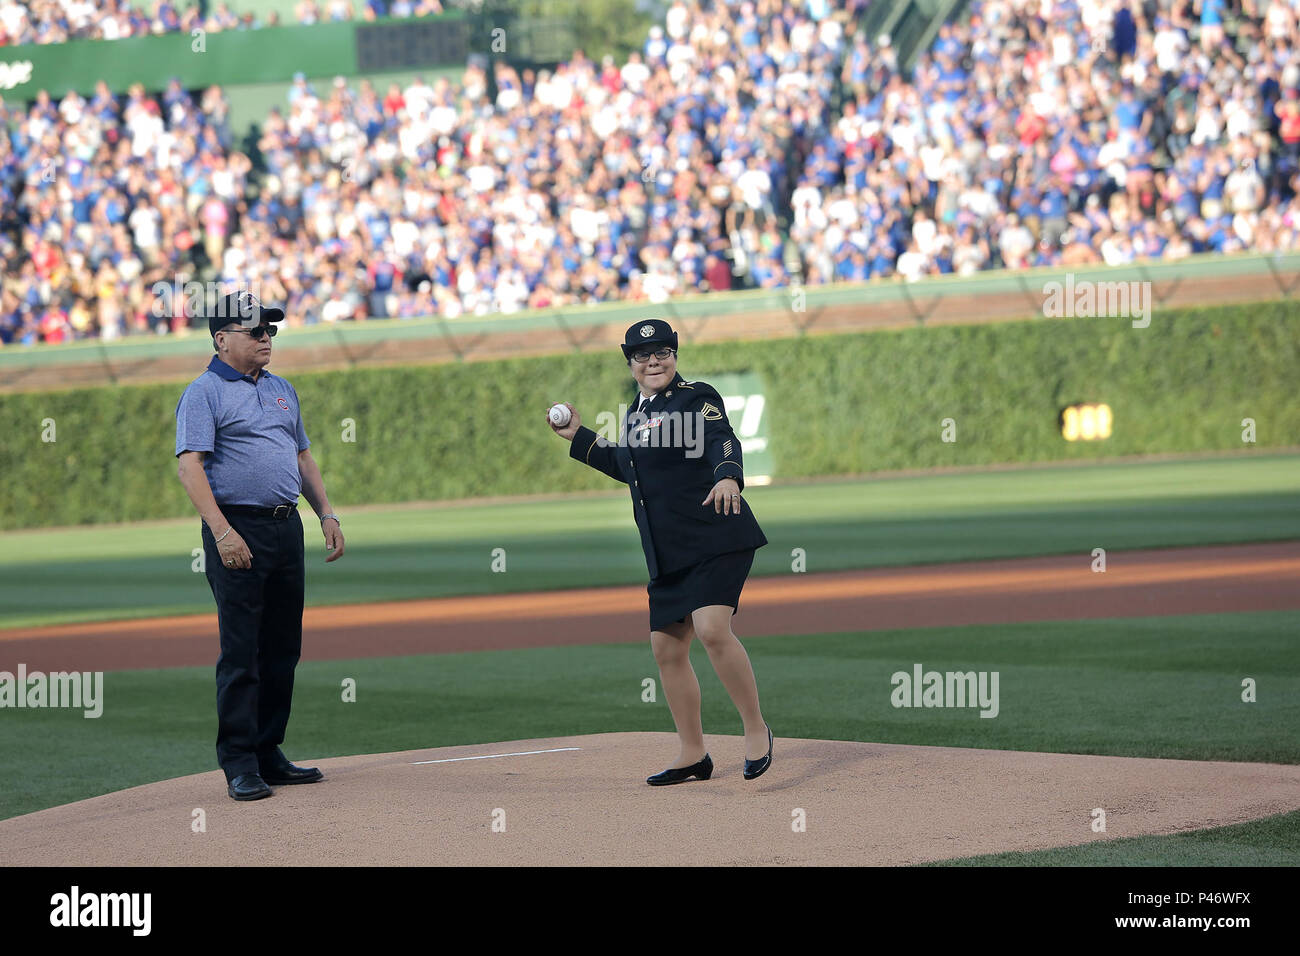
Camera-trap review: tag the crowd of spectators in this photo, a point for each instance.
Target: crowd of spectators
(749, 142)
(1062, 133)
(56, 21)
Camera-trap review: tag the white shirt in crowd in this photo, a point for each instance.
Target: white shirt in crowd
(144, 225)
(80, 13)
(677, 20)
(13, 16)
(146, 130)
(754, 185)
(418, 98)
(923, 231)
(1241, 187)
(1169, 45)
(911, 265)
(234, 259)
(634, 74)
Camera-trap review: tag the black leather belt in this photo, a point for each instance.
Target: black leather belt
(279, 511)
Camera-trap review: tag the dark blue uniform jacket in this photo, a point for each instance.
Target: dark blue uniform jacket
(670, 457)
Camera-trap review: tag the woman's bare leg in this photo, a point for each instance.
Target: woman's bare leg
(713, 627)
(672, 650)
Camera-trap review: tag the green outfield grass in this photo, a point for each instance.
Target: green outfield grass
(1272, 841)
(397, 553)
(1151, 687)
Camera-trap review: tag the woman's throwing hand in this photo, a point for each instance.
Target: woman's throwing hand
(565, 431)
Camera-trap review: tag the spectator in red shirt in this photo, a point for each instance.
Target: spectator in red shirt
(393, 100)
(46, 258)
(54, 325)
(717, 273)
(1288, 112)
(1029, 127)
(610, 77)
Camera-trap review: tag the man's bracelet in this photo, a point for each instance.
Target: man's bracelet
(224, 533)
(335, 517)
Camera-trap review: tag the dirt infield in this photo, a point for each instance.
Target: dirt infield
(862, 803)
(583, 800)
(1136, 583)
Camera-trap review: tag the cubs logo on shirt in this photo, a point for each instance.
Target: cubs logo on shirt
(282, 403)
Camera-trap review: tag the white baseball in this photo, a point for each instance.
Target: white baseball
(559, 415)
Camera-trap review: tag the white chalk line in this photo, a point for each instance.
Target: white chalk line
(525, 753)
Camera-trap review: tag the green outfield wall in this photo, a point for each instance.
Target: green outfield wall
(268, 55)
(1199, 281)
(833, 405)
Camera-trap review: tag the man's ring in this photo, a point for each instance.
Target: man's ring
(735, 496)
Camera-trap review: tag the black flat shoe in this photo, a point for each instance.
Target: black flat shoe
(248, 786)
(756, 768)
(703, 770)
(283, 772)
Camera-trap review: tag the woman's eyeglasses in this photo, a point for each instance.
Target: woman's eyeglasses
(643, 356)
(258, 332)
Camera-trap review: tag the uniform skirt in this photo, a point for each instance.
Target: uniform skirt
(715, 580)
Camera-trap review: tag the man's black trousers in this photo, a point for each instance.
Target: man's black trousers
(259, 611)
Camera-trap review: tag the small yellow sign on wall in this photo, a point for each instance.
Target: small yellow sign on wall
(1087, 422)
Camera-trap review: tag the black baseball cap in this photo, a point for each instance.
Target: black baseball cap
(648, 332)
(244, 308)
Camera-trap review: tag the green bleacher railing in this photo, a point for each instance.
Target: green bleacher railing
(1278, 276)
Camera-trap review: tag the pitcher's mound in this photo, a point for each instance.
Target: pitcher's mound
(583, 800)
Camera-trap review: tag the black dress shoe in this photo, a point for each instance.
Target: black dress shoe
(281, 772)
(756, 768)
(248, 786)
(703, 770)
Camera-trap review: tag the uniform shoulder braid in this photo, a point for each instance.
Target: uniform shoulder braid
(697, 388)
(706, 397)
(684, 391)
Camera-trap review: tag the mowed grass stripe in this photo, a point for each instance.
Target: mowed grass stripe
(1142, 687)
(1009, 491)
(147, 570)
(1271, 841)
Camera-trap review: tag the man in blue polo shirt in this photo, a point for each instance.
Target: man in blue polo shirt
(244, 459)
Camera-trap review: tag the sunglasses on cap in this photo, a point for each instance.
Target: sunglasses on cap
(257, 332)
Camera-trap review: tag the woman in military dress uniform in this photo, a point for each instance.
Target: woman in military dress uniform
(682, 464)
